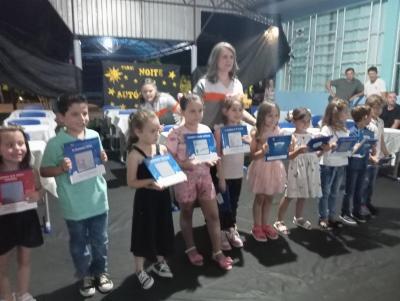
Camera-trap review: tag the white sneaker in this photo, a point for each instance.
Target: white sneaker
(145, 280)
(225, 245)
(87, 288)
(234, 238)
(161, 269)
(24, 297)
(104, 283)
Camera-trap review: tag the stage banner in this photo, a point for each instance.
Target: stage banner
(122, 80)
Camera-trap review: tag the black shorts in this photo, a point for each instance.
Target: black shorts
(20, 229)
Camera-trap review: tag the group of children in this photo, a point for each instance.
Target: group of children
(84, 205)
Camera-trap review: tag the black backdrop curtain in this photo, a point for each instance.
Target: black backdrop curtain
(259, 54)
(34, 73)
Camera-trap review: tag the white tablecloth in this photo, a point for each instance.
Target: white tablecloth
(43, 120)
(37, 150)
(392, 139)
(49, 114)
(40, 132)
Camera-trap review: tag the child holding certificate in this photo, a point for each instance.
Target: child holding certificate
(333, 166)
(199, 185)
(304, 179)
(230, 174)
(19, 229)
(84, 205)
(152, 226)
(266, 178)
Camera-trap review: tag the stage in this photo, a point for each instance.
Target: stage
(359, 263)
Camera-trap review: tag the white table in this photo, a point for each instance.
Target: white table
(49, 114)
(43, 120)
(39, 132)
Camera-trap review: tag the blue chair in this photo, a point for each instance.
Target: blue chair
(349, 124)
(253, 109)
(315, 119)
(285, 124)
(168, 127)
(34, 107)
(110, 107)
(126, 112)
(24, 122)
(32, 114)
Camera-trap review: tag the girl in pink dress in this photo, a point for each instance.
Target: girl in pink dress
(199, 186)
(265, 178)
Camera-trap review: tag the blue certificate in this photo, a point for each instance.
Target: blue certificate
(278, 147)
(232, 140)
(201, 147)
(85, 158)
(165, 170)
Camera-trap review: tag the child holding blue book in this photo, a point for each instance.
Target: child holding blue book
(356, 171)
(84, 205)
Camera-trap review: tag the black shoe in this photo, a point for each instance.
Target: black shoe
(372, 209)
(359, 218)
(334, 224)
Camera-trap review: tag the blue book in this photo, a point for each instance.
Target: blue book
(315, 144)
(278, 147)
(201, 147)
(165, 170)
(344, 146)
(85, 158)
(365, 146)
(232, 140)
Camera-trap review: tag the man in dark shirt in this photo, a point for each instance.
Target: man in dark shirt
(391, 112)
(348, 88)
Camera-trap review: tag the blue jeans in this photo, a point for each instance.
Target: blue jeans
(355, 191)
(372, 173)
(331, 179)
(88, 245)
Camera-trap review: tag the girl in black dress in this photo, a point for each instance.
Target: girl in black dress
(152, 226)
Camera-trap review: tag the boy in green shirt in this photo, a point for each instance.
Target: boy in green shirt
(84, 205)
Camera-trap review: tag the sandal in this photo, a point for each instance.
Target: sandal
(281, 227)
(301, 222)
(324, 225)
(194, 257)
(224, 262)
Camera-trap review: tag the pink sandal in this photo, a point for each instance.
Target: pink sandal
(194, 257)
(224, 262)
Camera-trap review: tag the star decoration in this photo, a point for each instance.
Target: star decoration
(113, 74)
(111, 91)
(164, 83)
(174, 84)
(125, 77)
(135, 81)
(171, 75)
(122, 86)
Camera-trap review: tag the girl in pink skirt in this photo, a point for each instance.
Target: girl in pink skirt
(266, 178)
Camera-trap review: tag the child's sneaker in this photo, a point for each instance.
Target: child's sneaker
(225, 245)
(104, 283)
(161, 269)
(146, 281)
(234, 238)
(24, 297)
(270, 232)
(347, 220)
(87, 288)
(258, 234)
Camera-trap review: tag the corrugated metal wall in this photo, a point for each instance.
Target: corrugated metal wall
(167, 19)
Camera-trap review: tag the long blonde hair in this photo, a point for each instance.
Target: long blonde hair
(264, 109)
(332, 112)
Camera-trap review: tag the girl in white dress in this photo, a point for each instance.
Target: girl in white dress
(304, 180)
